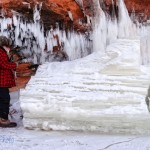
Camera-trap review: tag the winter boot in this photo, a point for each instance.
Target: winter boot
(6, 123)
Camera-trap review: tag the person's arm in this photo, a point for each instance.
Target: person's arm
(4, 63)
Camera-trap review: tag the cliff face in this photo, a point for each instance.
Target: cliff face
(65, 12)
(140, 7)
(68, 13)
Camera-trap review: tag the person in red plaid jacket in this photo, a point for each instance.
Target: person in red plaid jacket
(7, 80)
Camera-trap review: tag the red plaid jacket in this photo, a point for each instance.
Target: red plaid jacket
(7, 78)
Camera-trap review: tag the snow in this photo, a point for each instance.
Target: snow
(95, 93)
(66, 140)
(103, 92)
(27, 139)
(23, 139)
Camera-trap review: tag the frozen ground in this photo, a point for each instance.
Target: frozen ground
(23, 139)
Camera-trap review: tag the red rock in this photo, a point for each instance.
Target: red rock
(23, 76)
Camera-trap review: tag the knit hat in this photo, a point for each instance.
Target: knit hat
(4, 41)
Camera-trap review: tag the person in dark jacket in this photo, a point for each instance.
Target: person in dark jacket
(7, 80)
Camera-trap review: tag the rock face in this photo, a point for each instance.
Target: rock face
(23, 76)
(61, 11)
(68, 12)
(140, 7)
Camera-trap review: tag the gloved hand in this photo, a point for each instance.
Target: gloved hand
(34, 66)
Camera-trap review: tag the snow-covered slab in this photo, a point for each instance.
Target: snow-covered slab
(97, 93)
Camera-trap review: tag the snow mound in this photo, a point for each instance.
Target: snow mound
(96, 93)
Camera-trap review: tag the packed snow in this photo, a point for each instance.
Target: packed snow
(22, 139)
(95, 93)
(68, 140)
(104, 91)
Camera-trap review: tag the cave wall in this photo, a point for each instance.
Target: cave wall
(57, 10)
(140, 7)
(52, 11)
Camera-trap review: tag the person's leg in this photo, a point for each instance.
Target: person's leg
(4, 102)
(4, 108)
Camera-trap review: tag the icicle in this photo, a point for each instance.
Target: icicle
(80, 3)
(2, 13)
(126, 27)
(133, 16)
(112, 30)
(113, 11)
(70, 15)
(15, 20)
(89, 19)
(28, 4)
(99, 29)
(36, 15)
(32, 36)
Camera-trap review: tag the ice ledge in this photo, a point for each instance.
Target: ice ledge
(88, 94)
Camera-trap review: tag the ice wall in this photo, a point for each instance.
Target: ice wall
(126, 28)
(79, 95)
(104, 91)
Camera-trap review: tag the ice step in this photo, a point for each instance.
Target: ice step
(135, 124)
(77, 96)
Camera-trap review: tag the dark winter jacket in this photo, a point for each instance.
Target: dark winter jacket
(7, 78)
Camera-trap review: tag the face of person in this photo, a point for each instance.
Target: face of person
(6, 48)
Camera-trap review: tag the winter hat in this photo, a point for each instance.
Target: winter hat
(4, 41)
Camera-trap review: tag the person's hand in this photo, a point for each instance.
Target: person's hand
(33, 66)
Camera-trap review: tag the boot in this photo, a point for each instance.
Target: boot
(6, 123)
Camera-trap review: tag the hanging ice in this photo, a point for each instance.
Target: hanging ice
(99, 29)
(126, 27)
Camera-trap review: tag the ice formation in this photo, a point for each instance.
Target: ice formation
(104, 91)
(31, 35)
(80, 3)
(88, 94)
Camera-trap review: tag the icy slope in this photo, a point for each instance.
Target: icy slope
(105, 94)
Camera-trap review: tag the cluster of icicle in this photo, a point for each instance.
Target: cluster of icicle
(39, 44)
(105, 30)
